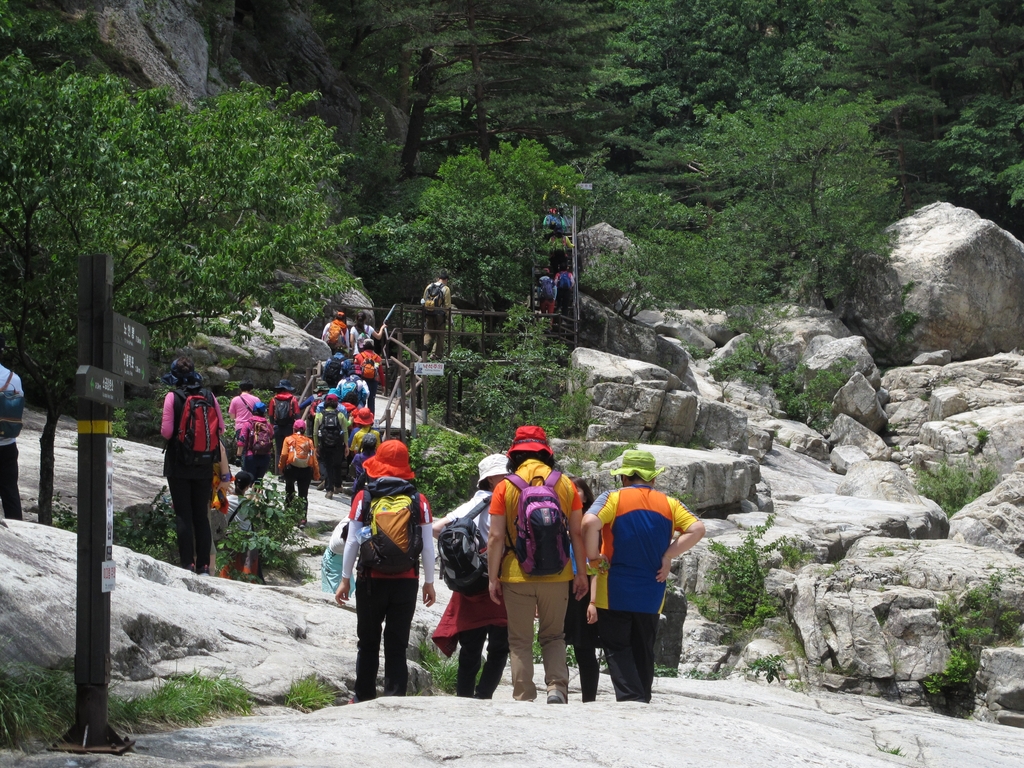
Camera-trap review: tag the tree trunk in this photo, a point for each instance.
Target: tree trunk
(483, 141)
(46, 466)
(423, 86)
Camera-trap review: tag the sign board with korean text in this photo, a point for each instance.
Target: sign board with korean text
(428, 369)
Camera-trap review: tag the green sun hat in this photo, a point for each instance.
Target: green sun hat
(639, 463)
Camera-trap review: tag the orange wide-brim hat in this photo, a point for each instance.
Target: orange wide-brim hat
(391, 460)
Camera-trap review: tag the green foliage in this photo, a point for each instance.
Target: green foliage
(526, 381)
(771, 666)
(660, 670)
(736, 594)
(973, 620)
(443, 670)
(40, 703)
(273, 533)
(150, 530)
(309, 694)
(445, 463)
(954, 486)
(898, 751)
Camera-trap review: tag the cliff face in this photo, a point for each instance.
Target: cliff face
(199, 47)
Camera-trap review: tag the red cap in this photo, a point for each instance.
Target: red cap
(391, 460)
(530, 438)
(363, 417)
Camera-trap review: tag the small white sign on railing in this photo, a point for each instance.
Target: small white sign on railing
(428, 369)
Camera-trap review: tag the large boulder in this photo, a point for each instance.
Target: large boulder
(859, 400)
(1000, 686)
(286, 351)
(875, 615)
(879, 480)
(965, 278)
(595, 244)
(995, 519)
(714, 325)
(851, 351)
(996, 433)
(846, 431)
(165, 620)
(793, 476)
(797, 331)
(603, 329)
(672, 325)
(722, 425)
(710, 482)
(798, 436)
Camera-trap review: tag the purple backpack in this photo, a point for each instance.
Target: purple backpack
(542, 534)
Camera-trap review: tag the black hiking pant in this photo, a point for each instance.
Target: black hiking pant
(10, 497)
(302, 477)
(191, 501)
(332, 464)
(471, 649)
(585, 641)
(391, 602)
(628, 641)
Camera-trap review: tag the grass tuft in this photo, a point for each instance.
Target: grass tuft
(309, 694)
(38, 703)
(443, 670)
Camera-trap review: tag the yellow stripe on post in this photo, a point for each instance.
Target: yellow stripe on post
(98, 427)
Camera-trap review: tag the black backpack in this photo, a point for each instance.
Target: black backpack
(434, 303)
(332, 372)
(282, 413)
(330, 430)
(464, 553)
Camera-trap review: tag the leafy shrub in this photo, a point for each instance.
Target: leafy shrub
(954, 486)
(736, 594)
(309, 694)
(273, 534)
(770, 666)
(445, 463)
(443, 670)
(972, 621)
(149, 528)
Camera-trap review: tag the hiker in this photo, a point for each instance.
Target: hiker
(335, 333)
(284, 410)
(256, 442)
(352, 390)
(330, 430)
(580, 631)
(332, 562)
(370, 366)
(309, 407)
(388, 567)
(192, 424)
(367, 448)
(362, 331)
(245, 563)
(362, 425)
(632, 533)
(546, 293)
(437, 305)
(12, 404)
(564, 289)
(533, 573)
(472, 619)
(298, 465)
(332, 370)
(241, 405)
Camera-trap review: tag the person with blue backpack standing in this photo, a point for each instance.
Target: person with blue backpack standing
(535, 512)
(12, 404)
(192, 424)
(564, 289)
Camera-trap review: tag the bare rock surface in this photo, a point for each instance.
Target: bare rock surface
(966, 277)
(742, 724)
(798, 436)
(852, 349)
(880, 480)
(792, 475)
(995, 519)
(874, 614)
(859, 400)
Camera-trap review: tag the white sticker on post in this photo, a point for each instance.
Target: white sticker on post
(108, 575)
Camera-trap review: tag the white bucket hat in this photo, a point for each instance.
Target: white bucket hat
(491, 466)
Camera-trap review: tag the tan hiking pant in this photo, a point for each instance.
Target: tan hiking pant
(548, 601)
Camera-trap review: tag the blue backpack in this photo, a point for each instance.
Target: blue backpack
(542, 532)
(547, 288)
(12, 409)
(565, 281)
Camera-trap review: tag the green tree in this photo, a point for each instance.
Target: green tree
(198, 207)
(797, 195)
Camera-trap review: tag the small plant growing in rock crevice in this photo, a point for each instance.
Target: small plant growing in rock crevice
(770, 666)
(736, 595)
(309, 694)
(976, 619)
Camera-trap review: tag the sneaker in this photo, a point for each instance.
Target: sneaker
(329, 495)
(302, 523)
(556, 697)
(204, 571)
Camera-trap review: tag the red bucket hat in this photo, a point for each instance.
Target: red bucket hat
(363, 417)
(391, 460)
(530, 439)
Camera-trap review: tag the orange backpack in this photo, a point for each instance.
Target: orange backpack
(337, 331)
(301, 451)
